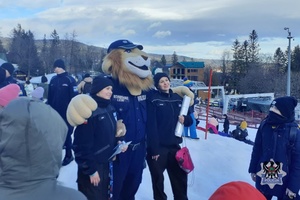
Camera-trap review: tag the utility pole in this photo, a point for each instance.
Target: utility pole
(288, 85)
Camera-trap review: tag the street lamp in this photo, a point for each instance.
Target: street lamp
(288, 85)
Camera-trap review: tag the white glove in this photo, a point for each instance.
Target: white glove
(80, 109)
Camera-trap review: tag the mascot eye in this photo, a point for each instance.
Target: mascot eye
(127, 50)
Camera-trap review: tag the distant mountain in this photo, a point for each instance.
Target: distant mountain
(208, 62)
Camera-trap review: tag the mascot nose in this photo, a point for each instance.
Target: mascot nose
(145, 57)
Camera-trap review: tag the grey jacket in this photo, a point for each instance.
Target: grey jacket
(31, 138)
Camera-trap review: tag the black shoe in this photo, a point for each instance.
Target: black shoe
(196, 138)
(67, 160)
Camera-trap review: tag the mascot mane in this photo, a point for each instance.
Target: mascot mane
(113, 64)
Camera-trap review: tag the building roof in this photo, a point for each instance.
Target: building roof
(195, 65)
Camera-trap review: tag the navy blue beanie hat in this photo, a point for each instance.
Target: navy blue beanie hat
(286, 105)
(157, 77)
(9, 67)
(100, 82)
(59, 63)
(123, 44)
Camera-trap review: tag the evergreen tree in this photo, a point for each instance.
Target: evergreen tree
(236, 63)
(244, 64)
(295, 59)
(174, 58)
(54, 46)
(163, 60)
(253, 48)
(279, 60)
(44, 56)
(23, 51)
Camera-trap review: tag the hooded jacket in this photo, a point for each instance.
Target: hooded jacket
(272, 142)
(31, 138)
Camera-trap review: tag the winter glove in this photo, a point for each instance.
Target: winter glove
(121, 128)
(183, 90)
(80, 108)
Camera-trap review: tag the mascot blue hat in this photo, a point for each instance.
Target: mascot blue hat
(123, 44)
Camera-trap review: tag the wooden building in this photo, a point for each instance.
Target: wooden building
(194, 71)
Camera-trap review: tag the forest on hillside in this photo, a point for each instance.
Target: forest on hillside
(243, 69)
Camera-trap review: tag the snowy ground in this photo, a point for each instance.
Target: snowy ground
(217, 160)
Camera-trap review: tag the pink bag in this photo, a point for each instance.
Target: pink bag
(184, 160)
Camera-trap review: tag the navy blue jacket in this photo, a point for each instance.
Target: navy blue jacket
(10, 80)
(163, 111)
(132, 110)
(62, 89)
(95, 140)
(272, 142)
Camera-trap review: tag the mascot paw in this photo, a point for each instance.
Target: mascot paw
(121, 129)
(80, 108)
(183, 90)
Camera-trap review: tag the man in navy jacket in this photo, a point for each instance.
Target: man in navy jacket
(62, 89)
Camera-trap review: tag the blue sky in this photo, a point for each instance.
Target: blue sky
(194, 28)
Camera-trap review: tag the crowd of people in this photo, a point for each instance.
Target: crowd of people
(39, 126)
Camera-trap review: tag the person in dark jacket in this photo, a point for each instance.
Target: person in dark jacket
(62, 89)
(32, 134)
(9, 70)
(226, 124)
(94, 143)
(163, 109)
(274, 165)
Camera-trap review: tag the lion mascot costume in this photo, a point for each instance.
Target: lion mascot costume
(129, 68)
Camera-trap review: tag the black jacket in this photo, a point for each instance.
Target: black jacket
(62, 89)
(95, 140)
(163, 110)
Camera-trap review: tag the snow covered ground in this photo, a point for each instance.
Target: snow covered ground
(217, 160)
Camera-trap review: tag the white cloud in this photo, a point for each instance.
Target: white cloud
(212, 26)
(162, 34)
(154, 25)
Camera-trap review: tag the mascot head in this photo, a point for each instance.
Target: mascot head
(130, 65)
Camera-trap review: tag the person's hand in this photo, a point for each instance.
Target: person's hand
(181, 119)
(95, 179)
(253, 176)
(124, 147)
(155, 157)
(121, 128)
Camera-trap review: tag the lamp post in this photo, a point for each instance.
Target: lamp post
(288, 85)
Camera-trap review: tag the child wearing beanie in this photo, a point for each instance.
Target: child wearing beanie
(8, 93)
(38, 93)
(94, 142)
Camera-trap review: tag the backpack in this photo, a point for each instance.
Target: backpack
(87, 87)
